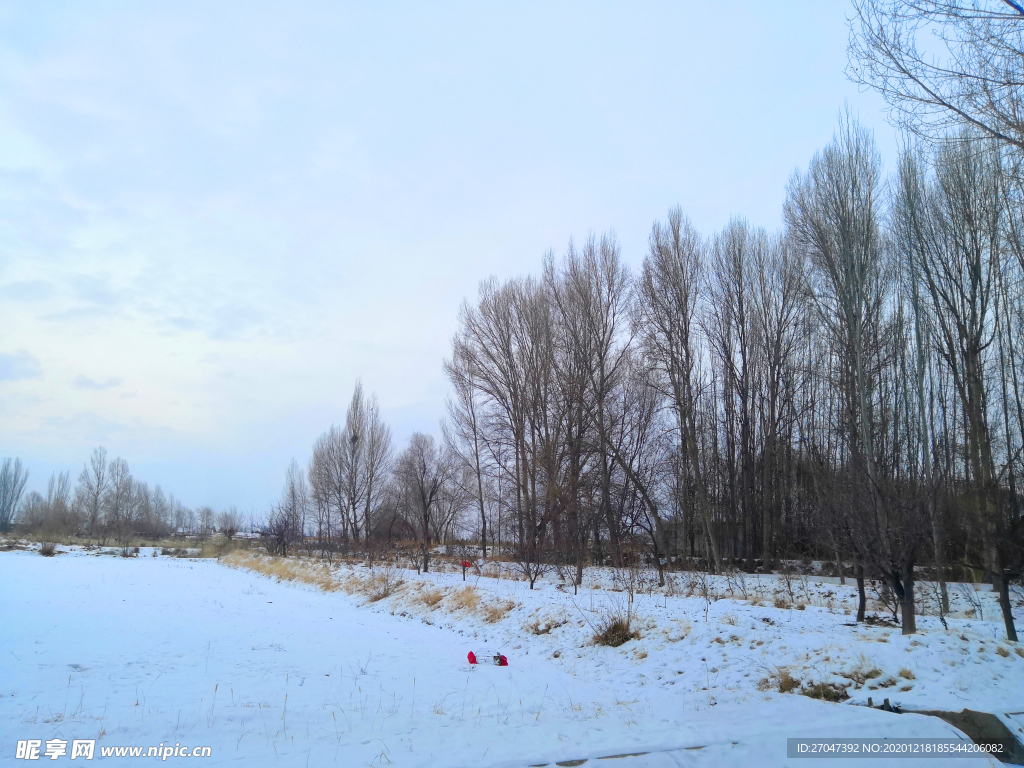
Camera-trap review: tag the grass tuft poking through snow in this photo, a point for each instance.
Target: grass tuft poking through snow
(382, 583)
(615, 631)
(826, 692)
(465, 599)
(496, 610)
(786, 682)
(427, 595)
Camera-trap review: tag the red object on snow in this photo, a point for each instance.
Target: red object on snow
(498, 658)
(466, 564)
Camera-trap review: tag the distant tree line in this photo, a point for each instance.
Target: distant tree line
(106, 505)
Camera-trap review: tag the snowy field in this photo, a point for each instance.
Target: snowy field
(306, 670)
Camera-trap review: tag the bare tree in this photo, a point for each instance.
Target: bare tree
(731, 328)
(229, 522)
(666, 312)
(508, 341)
(592, 293)
(353, 459)
(943, 64)
(959, 255)
(92, 487)
(12, 485)
(321, 495)
(779, 310)
(833, 211)
(463, 431)
(118, 506)
(286, 522)
(422, 471)
(349, 469)
(377, 461)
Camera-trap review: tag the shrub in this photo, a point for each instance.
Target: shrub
(862, 672)
(781, 603)
(826, 692)
(787, 682)
(615, 631)
(49, 549)
(383, 582)
(907, 674)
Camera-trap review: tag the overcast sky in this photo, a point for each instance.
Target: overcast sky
(215, 216)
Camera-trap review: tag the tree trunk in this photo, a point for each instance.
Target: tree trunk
(839, 567)
(908, 615)
(1002, 585)
(862, 598)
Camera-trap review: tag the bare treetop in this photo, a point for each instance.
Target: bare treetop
(942, 64)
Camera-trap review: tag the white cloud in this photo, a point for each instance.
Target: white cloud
(84, 382)
(18, 365)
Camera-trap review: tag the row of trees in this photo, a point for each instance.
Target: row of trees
(107, 504)
(847, 388)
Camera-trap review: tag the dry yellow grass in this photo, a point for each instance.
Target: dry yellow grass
(465, 599)
(781, 679)
(864, 671)
(496, 610)
(681, 631)
(286, 569)
(542, 624)
(426, 595)
(376, 584)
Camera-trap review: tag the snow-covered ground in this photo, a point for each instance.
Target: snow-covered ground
(154, 650)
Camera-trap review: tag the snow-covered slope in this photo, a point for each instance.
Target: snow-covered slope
(150, 650)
